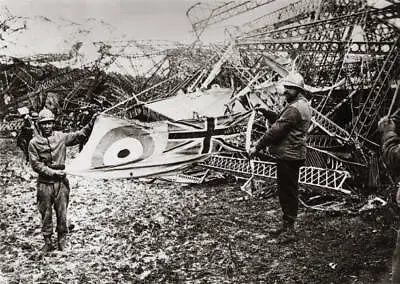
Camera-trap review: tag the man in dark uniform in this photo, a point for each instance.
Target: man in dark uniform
(391, 156)
(26, 133)
(286, 139)
(47, 153)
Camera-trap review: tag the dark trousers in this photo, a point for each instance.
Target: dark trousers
(288, 187)
(51, 195)
(396, 261)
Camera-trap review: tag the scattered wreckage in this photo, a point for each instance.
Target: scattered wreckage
(194, 108)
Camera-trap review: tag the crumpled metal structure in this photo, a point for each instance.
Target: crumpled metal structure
(350, 45)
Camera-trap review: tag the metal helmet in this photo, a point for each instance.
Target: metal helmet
(45, 115)
(293, 79)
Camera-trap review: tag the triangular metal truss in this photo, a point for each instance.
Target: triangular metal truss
(326, 178)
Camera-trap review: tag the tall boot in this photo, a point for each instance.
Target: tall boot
(48, 246)
(62, 241)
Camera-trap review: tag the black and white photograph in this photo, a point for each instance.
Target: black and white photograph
(190, 141)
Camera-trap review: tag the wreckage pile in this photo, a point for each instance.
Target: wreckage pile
(350, 45)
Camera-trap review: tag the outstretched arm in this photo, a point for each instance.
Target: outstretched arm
(74, 138)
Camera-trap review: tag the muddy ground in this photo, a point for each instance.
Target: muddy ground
(160, 232)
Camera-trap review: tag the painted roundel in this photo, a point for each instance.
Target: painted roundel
(122, 145)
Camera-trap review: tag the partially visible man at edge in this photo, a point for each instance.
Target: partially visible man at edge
(26, 133)
(286, 139)
(391, 156)
(47, 153)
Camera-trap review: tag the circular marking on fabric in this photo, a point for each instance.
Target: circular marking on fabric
(122, 151)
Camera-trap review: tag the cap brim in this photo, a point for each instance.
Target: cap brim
(45, 120)
(293, 86)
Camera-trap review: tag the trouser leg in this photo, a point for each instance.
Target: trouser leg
(61, 200)
(288, 188)
(396, 261)
(44, 200)
(26, 151)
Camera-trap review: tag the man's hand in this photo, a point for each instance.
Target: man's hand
(386, 124)
(59, 173)
(252, 152)
(268, 114)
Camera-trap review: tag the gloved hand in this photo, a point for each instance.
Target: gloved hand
(268, 114)
(386, 124)
(59, 173)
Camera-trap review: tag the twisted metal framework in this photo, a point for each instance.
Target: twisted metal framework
(329, 127)
(14, 125)
(331, 41)
(379, 90)
(299, 11)
(201, 19)
(325, 47)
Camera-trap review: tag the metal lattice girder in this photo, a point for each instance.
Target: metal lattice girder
(52, 83)
(217, 66)
(303, 11)
(390, 12)
(14, 125)
(26, 77)
(73, 93)
(328, 126)
(61, 79)
(125, 109)
(332, 8)
(322, 141)
(77, 102)
(322, 29)
(182, 178)
(121, 81)
(243, 73)
(226, 11)
(378, 92)
(360, 74)
(294, 12)
(340, 104)
(47, 58)
(251, 80)
(355, 47)
(379, 26)
(326, 178)
(241, 166)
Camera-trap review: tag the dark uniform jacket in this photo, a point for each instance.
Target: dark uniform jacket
(287, 135)
(24, 136)
(391, 152)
